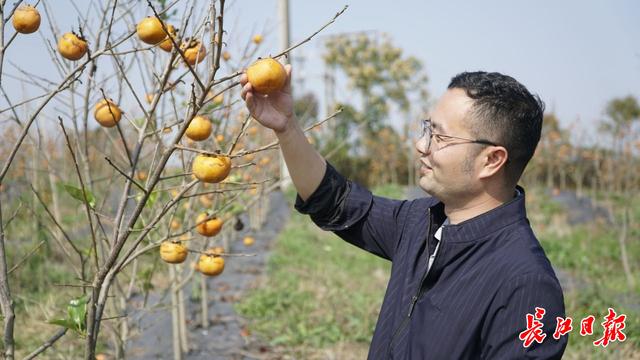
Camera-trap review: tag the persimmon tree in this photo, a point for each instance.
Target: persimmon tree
(139, 129)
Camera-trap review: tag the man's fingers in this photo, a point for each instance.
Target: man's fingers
(287, 85)
(287, 68)
(245, 89)
(243, 79)
(249, 100)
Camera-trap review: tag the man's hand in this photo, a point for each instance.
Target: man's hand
(275, 110)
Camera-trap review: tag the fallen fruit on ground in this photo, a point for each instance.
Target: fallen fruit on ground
(71, 46)
(266, 76)
(211, 168)
(107, 113)
(173, 252)
(150, 30)
(248, 241)
(210, 227)
(210, 264)
(199, 128)
(167, 44)
(26, 19)
(194, 51)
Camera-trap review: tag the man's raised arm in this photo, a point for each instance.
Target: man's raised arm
(275, 111)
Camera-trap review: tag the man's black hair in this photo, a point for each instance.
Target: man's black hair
(505, 112)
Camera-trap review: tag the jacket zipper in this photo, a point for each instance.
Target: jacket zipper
(415, 297)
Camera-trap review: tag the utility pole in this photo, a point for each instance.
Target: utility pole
(283, 16)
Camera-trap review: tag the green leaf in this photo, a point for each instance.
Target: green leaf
(77, 310)
(76, 193)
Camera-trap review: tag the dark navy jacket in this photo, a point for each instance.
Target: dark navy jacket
(489, 272)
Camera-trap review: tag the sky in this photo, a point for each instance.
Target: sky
(577, 55)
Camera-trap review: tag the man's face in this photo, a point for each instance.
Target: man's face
(448, 168)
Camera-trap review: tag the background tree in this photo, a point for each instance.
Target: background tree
(383, 79)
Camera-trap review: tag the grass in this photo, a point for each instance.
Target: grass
(308, 279)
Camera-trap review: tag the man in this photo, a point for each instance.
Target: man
(466, 266)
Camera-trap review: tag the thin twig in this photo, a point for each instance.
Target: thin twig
(59, 334)
(84, 194)
(276, 143)
(15, 213)
(200, 151)
(125, 175)
(25, 257)
(238, 73)
(220, 254)
(314, 34)
(80, 273)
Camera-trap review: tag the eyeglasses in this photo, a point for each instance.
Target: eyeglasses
(428, 132)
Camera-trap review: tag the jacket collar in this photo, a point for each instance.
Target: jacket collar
(484, 224)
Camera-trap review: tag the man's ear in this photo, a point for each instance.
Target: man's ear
(493, 160)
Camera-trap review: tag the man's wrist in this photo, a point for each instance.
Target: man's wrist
(291, 127)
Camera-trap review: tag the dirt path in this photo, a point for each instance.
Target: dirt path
(224, 339)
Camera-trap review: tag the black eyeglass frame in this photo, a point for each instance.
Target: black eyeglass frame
(426, 127)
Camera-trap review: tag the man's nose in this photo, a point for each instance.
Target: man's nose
(421, 146)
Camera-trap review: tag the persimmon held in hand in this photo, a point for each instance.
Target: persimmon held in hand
(266, 76)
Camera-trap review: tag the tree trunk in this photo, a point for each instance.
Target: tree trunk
(204, 301)
(6, 303)
(184, 341)
(175, 315)
(622, 239)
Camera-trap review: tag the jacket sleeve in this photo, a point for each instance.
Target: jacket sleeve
(353, 213)
(507, 319)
